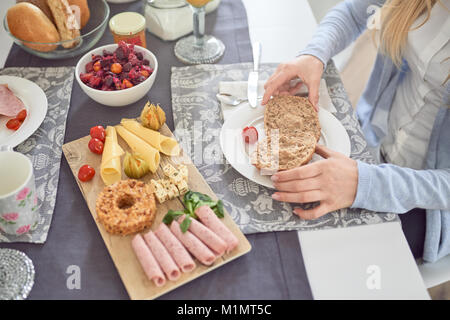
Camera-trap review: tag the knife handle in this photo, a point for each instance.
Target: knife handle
(256, 55)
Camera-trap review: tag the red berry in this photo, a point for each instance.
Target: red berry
(85, 77)
(13, 124)
(95, 81)
(96, 146)
(250, 134)
(86, 173)
(89, 66)
(98, 132)
(21, 115)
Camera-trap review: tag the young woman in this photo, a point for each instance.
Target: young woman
(404, 113)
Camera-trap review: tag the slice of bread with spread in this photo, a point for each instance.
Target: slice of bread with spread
(292, 131)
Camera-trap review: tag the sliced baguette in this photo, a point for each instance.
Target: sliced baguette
(66, 22)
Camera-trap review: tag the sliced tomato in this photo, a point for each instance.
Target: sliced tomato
(86, 173)
(96, 146)
(98, 132)
(250, 135)
(13, 124)
(22, 115)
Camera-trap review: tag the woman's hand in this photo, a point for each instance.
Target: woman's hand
(307, 68)
(333, 182)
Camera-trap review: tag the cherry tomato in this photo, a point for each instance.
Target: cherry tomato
(250, 134)
(21, 115)
(13, 124)
(98, 132)
(86, 173)
(96, 146)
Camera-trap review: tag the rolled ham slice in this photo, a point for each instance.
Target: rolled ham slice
(209, 219)
(212, 240)
(175, 248)
(148, 261)
(193, 244)
(162, 256)
(10, 105)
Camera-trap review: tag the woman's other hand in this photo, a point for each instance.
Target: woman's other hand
(332, 181)
(307, 68)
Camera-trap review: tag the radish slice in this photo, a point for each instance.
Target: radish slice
(250, 135)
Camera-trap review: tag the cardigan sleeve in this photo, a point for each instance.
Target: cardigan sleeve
(390, 188)
(340, 27)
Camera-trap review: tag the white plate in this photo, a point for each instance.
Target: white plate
(333, 135)
(35, 101)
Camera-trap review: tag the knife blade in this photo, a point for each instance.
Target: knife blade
(252, 89)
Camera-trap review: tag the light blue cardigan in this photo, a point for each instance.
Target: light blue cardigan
(386, 187)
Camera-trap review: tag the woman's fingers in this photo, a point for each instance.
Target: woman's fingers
(273, 84)
(314, 213)
(323, 151)
(313, 93)
(299, 185)
(282, 75)
(293, 90)
(304, 172)
(326, 152)
(298, 197)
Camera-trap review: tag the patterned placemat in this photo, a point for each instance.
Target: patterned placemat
(197, 112)
(44, 147)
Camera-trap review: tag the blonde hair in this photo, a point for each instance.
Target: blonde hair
(397, 18)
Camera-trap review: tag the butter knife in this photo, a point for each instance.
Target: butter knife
(252, 89)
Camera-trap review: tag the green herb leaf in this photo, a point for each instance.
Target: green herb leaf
(192, 196)
(171, 215)
(219, 209)
(190, 208)
(185, 224)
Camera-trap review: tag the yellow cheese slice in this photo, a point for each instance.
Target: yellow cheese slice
(166, 145)
(145, 150)
(110, 169)
(169, 146)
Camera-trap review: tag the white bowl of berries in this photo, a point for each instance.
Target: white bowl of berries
(117, 74)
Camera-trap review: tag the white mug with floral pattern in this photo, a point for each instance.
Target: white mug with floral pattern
(18, 200)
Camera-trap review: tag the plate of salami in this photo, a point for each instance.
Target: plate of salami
(23, 106)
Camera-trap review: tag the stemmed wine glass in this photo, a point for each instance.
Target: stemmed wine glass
(199, 48)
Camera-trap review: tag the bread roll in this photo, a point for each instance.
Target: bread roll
(85, 14)
(65, 20)
(27, 22)
(41, 4)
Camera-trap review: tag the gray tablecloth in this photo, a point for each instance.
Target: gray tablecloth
(196, 111)
(274, 268)
(44, 146)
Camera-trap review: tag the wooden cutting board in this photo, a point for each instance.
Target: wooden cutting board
(138, 286)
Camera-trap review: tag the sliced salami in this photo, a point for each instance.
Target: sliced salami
(148, 261)
(175, 248)
(209, 219)
(162, 256)
(208, 237)
(193, 244)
